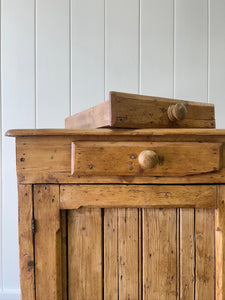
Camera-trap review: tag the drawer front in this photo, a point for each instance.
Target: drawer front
(145, 158)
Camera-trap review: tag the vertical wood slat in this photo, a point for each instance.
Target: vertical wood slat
(111, 254)
(178, 253)
(85, 254)
(128, 239)
(159, 254)
(187, 253)
(26, 251)
(121, 254)
(47, 242)
(140, 248)
(63, 217)
(220, 244)
(205, 262)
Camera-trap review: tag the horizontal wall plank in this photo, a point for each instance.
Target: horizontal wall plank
(107, 196)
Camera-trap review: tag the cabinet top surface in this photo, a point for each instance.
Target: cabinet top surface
(113, 132)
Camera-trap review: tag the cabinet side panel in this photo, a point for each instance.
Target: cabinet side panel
(159, 254)
(85, 254)
(187, 253)
(47, 242)
(26, 251)
(205, 262)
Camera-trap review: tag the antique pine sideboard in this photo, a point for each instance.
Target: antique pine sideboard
(121, 214)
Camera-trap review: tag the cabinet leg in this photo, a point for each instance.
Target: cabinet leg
(47, 242)
(26, 253)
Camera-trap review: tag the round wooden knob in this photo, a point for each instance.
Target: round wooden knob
(177, 112)
(148, 159)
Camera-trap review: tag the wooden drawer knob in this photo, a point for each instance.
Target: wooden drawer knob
(177, 112)
(148, 159)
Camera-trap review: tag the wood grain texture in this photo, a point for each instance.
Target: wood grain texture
(128, 243)
(64, 266)
(219, 265)
(47, 243)
(85, 254)
(187, 254)
(220, 244)
(96, 116)
(111, 265)
(137, 111)
(205, 256)
(140, 266)
(47, 159)
(183, 134)
(122, 158)
(159, 254)
(75, 196)
(178, 252)
(26, 251)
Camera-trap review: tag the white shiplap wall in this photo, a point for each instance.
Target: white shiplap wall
(60, 57)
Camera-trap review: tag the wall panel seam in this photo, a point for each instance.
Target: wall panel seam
(35, 63)
(1, 158)
(105, 49)
(174, 46)
(139, 49)
(208, 50)
(70, 57)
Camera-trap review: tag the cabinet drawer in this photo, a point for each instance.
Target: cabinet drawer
(145, 158)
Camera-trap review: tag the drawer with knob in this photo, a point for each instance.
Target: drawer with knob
(124, 110)
(145, 158)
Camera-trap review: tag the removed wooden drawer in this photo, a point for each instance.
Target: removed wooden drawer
(145, 158)
(124, 110)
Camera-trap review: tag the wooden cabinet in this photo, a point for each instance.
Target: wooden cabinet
(99, 221)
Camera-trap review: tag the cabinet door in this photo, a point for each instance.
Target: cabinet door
(143, 252)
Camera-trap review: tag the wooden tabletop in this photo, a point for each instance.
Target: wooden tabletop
(109, 132)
